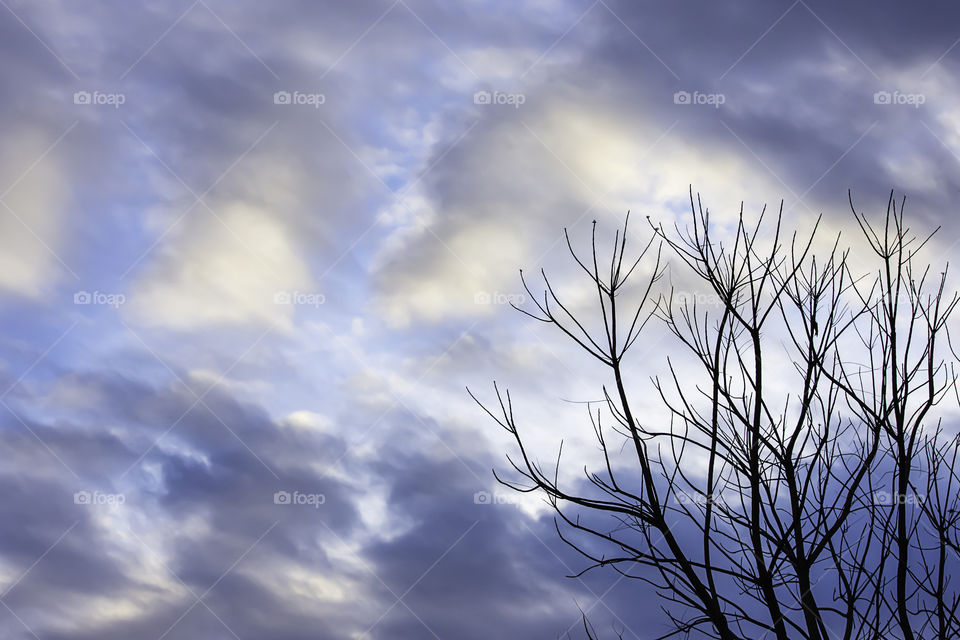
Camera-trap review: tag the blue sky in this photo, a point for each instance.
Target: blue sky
(255, 251)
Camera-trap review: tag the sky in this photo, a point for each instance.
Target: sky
(251, 254)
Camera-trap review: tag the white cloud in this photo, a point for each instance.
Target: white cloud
(29, 236)
(223, 269)
(514, 185)
(308, 421)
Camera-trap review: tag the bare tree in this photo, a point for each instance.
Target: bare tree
(803, 485)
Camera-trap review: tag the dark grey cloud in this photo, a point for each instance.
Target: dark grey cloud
(799, 80)
(200, 500)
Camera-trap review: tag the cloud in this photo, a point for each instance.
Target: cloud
(410, 209)
(33, 202)
(197, 515)
(573, 161)
(230, 267)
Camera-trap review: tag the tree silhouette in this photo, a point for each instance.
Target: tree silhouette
(814, 499)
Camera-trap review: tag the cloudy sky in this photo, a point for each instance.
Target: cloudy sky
(251, 254)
